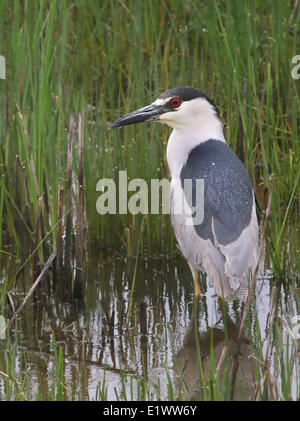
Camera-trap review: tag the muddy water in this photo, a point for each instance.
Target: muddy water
(160, 337)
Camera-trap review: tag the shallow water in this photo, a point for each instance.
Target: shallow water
(160, 337)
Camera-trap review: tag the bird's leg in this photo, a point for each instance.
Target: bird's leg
(197, 290)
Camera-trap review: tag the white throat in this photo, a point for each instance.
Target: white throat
(185, 137)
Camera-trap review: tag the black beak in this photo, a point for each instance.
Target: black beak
(149, 113)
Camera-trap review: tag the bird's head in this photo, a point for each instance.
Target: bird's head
(177, 107)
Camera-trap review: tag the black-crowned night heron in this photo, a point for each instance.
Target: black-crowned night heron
(224, 242)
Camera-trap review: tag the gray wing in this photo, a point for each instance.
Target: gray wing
(229, 207)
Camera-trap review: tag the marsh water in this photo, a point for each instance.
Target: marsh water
(148, 349)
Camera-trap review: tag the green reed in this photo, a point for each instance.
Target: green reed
(107, 58)
(63, 57)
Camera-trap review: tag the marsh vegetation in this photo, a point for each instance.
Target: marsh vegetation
(112, 314)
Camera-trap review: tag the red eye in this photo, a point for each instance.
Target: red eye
(175, 102)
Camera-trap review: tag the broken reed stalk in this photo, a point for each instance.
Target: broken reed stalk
(236, 360)
(68, 195)
(80, 216)
(33, 287)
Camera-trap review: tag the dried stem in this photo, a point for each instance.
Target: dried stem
(33, 287)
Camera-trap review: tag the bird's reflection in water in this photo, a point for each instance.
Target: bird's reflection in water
(222, 340)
